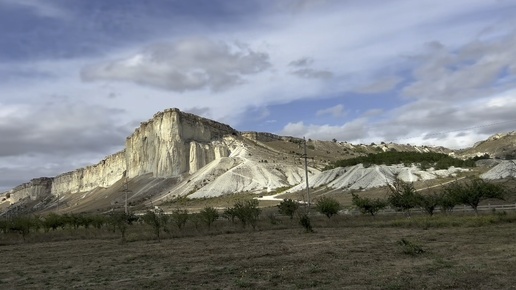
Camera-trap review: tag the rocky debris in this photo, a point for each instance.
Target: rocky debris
(506, 168)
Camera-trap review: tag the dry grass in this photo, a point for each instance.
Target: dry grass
(344, 253)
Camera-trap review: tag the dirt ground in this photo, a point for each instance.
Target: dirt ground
(283, 258)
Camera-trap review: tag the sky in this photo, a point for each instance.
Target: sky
(77, 76)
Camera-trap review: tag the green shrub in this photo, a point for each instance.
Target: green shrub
(53, 221)
(180, 217)
(402, 195)
(328, 206)
(120, 220)
(288, 207)
(428, 202)
(410, 248)
(304, 221)
(247, 212)
(209, 215)
(157, 220)
(366, 205)
(230, 214)
(475, 190)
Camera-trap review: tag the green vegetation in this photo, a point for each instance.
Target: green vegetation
(247, 212)
(121, 220)
(157, 220)
(402, 195)
(209, 215)
(288, 207)
(180, 217)
(366, 205)
(428, 202)
(473, 191)
(436, 160)
(304, 221)
(327, 206)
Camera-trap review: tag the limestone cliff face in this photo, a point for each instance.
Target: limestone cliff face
(268, 137)
(174, 143)
(103, 174)
(33, 189)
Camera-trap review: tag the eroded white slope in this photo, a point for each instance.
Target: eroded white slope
(506, 168)
(247, 169)
(357, 177)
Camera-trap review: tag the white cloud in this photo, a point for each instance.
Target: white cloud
(41, 8)
(354, 130)
(335, 111)
(186, 65)
(379, 86)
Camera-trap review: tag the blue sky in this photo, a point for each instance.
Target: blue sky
(77, 77)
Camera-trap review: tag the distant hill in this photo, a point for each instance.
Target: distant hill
(178, 155)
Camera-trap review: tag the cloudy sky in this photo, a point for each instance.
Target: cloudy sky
(77, 77)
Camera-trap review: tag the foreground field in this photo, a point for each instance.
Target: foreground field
(336, 256)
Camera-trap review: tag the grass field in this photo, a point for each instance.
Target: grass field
(442, 252)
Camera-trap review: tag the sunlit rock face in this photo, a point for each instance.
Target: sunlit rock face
(174, 143)
(37, 187)
(171, 144)
(102, 174)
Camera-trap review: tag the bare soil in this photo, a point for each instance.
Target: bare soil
(334, 257)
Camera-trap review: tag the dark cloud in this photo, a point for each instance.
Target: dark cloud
(186, 65)
(309, 73)
(59, 129)
(303, 69)
(305, 61)
(473, 71)
(55, 137)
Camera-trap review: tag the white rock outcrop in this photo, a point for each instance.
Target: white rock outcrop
(357, 177)
(504, 169)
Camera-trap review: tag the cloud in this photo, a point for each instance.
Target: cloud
(353, 130)
(304, 71)
(472, 71)
(43, 9)
(379, 86)
(335, 111)
(304, 61)
(67, 135)
(309, 73)
(62, 129)
(186, 65)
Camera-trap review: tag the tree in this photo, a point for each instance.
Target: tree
(402, 195)
(247, 212)
(447, 201)
(288, 207)
(475, 190)
(327, 206)
(22, 225)
(230, 214)
(366, 205)
(53, 221)
(121, 220)
(157, 220)
(180, 217)
(209, 215)
(428, 202)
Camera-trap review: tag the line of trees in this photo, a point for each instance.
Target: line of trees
(404, 197)
(426, 160)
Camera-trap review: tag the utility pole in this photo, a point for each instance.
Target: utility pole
(126, 191)
(305, 156)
